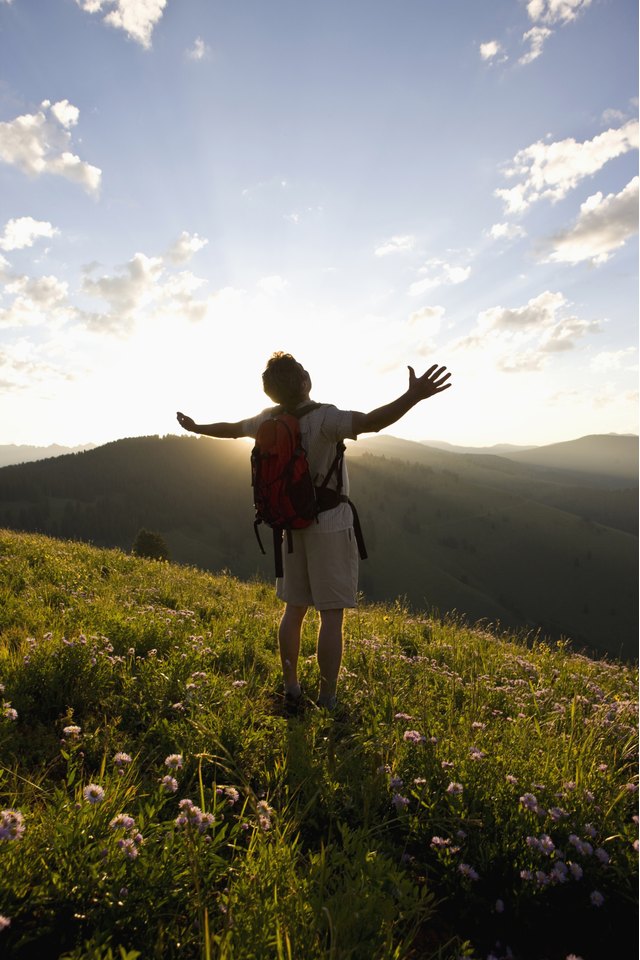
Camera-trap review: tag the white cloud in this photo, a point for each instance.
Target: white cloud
(490, 50)
(23, 231)
(603, 226)
(614, 360)
(38, 143)
(536, 38)
(555, 11)
(136, 17)
(550, 170)
(438, 273)
(199, 50)
(36, 301)
(21, 367)
(397, 244)
(523, 338)
(134, 287)
(506, 231)
(65, 113)
(185, 246)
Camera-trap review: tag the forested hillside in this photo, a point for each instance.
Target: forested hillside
(484, 536)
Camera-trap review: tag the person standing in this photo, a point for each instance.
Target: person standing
(322, 568)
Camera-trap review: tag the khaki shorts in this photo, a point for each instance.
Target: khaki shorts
(322, 570)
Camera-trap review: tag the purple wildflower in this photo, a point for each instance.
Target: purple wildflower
(122, 759)
(122, 821)
(11, 825)
(454, 789)
(169, 784)
(468, 871)
(93, 793)
(413, 736)
(174, 761)
(399, 801)
(596, 898)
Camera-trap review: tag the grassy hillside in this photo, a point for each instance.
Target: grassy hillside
(475, 794)
(483, 536)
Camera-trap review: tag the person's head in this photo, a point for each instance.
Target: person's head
(285, 380)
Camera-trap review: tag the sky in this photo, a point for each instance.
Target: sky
(187, 186)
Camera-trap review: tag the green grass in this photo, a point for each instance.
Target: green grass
(473, 795)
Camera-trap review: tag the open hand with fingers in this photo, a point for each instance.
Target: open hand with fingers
(432, 382)
(186, 422)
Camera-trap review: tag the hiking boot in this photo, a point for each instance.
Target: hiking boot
(292, 705)
(327, 703)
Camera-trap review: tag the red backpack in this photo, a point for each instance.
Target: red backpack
(284, 495)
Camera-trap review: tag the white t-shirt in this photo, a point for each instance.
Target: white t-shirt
(320, 430)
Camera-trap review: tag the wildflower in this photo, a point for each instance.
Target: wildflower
(192, 816)
(4, 922)
(477, 725)
(542, 879)
(178, 707)
(122, 821)
(596, 898)
(559, 872)
(413, 736)
(10, 712)
(73, 732)
(529, 802)
(557, 813)
(11, 825)
(93, 793)
(476, 754)
(439, 843)
(446, 764)
(385, 768)
(581, 845)
(399, 801)
(499, 907)
(511, 779)
(265, 813)
(129, 847)
(454, 789)
(169, 784)
(468, 871)
(602, 855)
(230, 793)
(122, 760)
(396, 781)
(547, 846)
(174, 761)
(239, 683)
(403, 716)
(576, 871)
(419, 781)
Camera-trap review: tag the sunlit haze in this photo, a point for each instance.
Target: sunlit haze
(188, 185)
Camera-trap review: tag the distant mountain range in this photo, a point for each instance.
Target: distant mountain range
(11, 453)
(549, 545)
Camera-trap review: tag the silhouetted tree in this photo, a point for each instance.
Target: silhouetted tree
(150, 545)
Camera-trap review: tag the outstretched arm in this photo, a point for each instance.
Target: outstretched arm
(420, 388)
(228, 431)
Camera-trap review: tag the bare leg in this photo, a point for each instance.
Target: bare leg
(329, 653)
(289, 641)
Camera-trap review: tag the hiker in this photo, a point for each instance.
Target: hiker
(322, 568)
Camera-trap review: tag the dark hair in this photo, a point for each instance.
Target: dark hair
(283, 378)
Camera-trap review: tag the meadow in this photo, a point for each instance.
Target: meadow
(474, 794)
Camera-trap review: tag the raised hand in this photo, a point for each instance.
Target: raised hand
(431, 382)
(186, 422)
